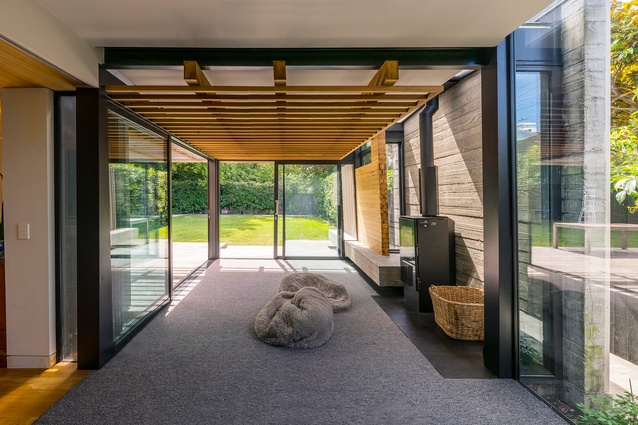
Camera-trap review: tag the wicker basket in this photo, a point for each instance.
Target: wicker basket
(458, 310)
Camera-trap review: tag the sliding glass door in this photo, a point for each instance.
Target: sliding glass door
(190, 206)
(307, 210)
(138, 187)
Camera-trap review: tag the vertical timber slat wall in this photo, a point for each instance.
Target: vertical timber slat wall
(372, 200)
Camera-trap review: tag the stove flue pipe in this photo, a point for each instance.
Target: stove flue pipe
(428, 185)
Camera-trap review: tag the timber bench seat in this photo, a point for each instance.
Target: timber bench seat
(384, 270)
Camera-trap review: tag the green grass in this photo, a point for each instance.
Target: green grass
(188, 228)
(246, 229)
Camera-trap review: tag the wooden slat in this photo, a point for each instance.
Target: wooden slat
(387, 75)
(270, 115)
(20, 69)
(239, 98)
(278, 122)
(193, 74)
(273, 134)
(280, 89)
(260, 112)
(279, 72)
(213, 125)
(372, 200)
(267, 121)
(137, 105)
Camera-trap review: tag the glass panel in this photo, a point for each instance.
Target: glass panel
(246, 203)
(311, 210)
(534, 210)
(67, 227)
(279, 213)
(139, 211)
(348, 201)
(189, 173)
(394, 196)
(576, 246)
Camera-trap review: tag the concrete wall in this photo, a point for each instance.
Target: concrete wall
(28, 158)
(585, 44)
(457, 154)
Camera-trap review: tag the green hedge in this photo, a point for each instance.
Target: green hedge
(249, 189)
(190, 197)
(238, 197)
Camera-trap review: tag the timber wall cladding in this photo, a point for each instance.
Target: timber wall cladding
(457, 154)
(372, 200)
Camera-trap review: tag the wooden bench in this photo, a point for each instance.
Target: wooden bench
(124, 236)
(587, 228)
(384, 270)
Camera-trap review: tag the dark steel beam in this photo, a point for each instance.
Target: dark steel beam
(423, 58)
(94, 307)
(497, 80)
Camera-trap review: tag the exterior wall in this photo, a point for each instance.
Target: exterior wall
(27, 121)
(458, 156)
(372, 200)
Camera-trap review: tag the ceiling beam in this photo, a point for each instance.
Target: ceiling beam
(274, 104)
(387, 75)
(269, 116)
(281, 89)
(193, 74)
(279, 72)
(239, 98)
(371, 58)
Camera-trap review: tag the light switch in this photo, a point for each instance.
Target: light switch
(23, 231)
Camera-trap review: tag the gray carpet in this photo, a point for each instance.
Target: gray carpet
(203, 364)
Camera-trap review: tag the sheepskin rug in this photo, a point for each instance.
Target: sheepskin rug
(301, 319)
(335, 292)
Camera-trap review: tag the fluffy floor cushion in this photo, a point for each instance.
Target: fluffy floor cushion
(301, 319)
(335, 292)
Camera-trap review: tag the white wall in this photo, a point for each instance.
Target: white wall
(32, 27)
(27, 132)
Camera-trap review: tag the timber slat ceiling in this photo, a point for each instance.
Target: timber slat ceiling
(277, 122)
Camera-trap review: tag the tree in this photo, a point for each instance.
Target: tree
(624, 100)
(624, 161)
(624, 63)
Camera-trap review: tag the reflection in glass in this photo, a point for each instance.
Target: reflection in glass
(190, 211)
(67, 225)
(139, 212)
(569, 278)
(394, 198)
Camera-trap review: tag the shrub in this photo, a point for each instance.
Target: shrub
(619, 410)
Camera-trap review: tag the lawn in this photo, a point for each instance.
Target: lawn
(246, 229)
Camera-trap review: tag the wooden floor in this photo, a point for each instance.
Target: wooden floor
(25, 394)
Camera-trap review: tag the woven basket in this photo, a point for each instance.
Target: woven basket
(458, 310)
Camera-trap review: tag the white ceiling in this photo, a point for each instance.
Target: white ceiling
(294, 23)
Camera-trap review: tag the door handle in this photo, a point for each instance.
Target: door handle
(276, 207)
